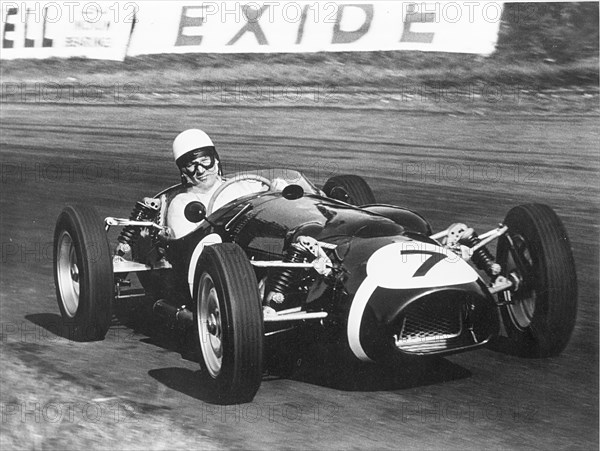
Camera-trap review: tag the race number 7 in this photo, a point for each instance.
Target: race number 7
(434, 259)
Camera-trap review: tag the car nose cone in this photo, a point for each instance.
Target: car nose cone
(412, 264)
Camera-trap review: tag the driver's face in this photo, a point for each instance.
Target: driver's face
(203, 172)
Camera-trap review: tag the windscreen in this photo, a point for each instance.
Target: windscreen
(281, 177)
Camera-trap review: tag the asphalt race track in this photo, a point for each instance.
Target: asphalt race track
(469, 168)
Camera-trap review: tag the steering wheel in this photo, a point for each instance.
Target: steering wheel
(239, 178)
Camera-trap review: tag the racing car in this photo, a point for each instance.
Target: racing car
(290, 257)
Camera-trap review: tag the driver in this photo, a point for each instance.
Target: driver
(201, 172)
(200, 167)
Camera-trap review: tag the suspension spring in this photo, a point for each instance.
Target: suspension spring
(482, 257)
(129, 234)
(280, 281)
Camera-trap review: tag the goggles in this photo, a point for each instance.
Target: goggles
(206, 162)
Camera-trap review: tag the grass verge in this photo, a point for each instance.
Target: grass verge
(383, 70)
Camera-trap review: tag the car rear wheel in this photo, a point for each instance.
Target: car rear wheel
(352, 189)
(83, 273)
(539, 315)
(229, 322)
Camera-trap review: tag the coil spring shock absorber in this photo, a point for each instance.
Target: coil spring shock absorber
(279, 282)
(482, 257)
(129, 234)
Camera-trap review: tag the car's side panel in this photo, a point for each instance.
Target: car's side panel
(275, 222)
(208, 240)
(410, 220)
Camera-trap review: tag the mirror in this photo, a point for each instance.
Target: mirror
(292, 192)
(195, 211)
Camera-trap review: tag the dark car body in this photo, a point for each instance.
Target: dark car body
(394, 290)
(330, 265)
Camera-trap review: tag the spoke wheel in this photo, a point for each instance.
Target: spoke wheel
(68, 273)
(539, 313)
(83, 274)
(521, 306)
(229, 322)
(209, 319)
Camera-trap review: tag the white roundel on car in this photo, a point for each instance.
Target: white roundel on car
(413, 264)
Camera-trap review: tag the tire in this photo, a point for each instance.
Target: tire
(541, 319)
(83, 274)
(229, 321)
(352, 189)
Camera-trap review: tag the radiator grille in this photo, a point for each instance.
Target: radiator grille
(430, 325)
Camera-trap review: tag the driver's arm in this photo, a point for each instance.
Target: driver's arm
(176, 219)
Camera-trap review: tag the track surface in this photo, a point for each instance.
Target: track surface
(468, 168)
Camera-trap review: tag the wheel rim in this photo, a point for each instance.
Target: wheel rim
(209, 325)
(68, 274)
(340, 193)
(522, 308)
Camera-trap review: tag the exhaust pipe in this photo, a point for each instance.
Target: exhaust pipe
(180, 315)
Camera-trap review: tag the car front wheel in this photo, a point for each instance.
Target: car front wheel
(229, 322)
(539, 314)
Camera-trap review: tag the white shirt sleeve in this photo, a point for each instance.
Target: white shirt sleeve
(176, 219)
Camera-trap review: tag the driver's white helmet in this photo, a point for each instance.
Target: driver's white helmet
(191, 143)
(192, 140)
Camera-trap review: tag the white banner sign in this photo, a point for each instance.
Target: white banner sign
(99, 30)
(302, 26)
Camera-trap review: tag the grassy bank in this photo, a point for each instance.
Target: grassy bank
(385, 70)
(542, 48)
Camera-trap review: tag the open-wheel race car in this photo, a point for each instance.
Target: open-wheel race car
(290, 257)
